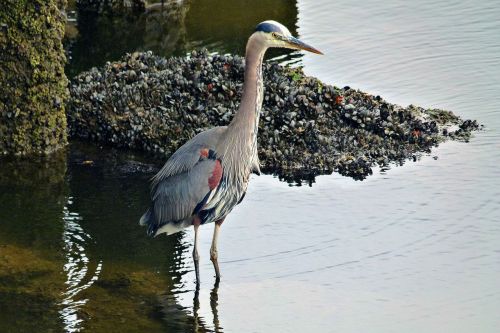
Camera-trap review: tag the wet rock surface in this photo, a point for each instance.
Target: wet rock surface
(33, 86)
(307, 128)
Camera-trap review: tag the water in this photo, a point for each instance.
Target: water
(218, 25)
(411, 249)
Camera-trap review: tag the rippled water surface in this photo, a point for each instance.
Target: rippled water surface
(412, 249)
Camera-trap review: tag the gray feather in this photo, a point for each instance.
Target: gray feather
(176, 197)
(188, 154)
(182, 183)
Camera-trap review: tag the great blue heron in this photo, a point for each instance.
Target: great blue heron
(208, 176)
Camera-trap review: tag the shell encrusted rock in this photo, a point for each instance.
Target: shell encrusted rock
(306, 127)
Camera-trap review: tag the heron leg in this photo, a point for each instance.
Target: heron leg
(213, 249)
(196, 256)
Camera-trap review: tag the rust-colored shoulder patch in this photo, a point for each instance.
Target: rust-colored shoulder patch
(204, 153)
(216, 176)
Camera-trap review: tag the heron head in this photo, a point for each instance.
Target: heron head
(276, 34)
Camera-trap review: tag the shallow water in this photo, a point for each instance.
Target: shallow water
(411, 249)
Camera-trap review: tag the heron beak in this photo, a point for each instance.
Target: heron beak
(300, 45)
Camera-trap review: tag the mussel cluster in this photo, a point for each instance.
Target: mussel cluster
(306, 127)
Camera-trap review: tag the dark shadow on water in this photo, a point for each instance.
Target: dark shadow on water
(72, 255)
(32, 197)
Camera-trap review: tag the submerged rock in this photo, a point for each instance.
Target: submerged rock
(30, 287)
(307, 128)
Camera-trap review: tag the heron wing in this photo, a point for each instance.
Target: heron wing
(188, 154)
(179, 196)
(186, 181)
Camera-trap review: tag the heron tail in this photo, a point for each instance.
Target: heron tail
(145, 217)
(155, 228)
(148, 219)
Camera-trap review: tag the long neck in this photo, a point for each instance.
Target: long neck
(247, 116)
(239, 147)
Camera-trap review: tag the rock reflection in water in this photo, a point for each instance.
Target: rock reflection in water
(165, 30)
(77, 269)
(173, 27)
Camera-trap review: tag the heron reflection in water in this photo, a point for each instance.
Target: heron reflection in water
(208, 176)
